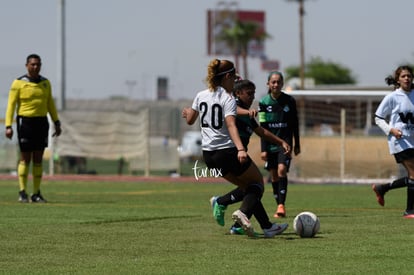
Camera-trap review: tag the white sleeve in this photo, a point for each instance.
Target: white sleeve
(385, 127)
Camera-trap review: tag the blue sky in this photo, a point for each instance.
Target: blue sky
(110, 42)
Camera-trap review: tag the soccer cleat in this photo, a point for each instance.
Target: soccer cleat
(23, 197)
(236, 230)
(38, 198)
(245, 223)
(409, 214)
(379, 193)
(218, 210)
(280, 212)
(276, 229)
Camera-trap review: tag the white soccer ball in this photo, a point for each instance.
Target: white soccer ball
(306, 224)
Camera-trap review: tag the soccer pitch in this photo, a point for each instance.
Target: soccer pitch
(167, 228)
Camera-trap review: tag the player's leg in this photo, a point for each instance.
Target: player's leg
(381, 189)
(271, 165)
(282, 170)
(219, 203)
(23, 174)
(37, 172)
(406, 158)
(226, 160)
(23, 136)
(409, 165)
(235, 195)
(40, 142)
(252, 202)
(269, 229)
(249, 179)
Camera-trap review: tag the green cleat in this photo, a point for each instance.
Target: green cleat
(236, 230)
(218, 210)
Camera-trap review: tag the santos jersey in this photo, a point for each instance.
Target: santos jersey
(280, 117)
(398, 109)
(32, 98)
(213, 107)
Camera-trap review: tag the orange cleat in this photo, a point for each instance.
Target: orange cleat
(280, 212)
(379, 194)
(408, 214)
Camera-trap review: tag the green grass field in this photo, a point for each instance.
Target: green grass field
(167, 228)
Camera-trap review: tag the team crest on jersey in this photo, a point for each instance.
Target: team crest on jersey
(286, 109)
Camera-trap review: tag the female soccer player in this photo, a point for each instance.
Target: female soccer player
(222, 146)
(395, 116)
(278, 114)
(31, 94)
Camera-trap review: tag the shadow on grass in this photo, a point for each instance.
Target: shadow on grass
(138, 219)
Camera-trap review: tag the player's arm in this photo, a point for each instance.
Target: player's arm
(295, 128)
(190, 115)
(387, 128)
(51, 108)
(230, 121)
(11, 108)
(246, 112)
(264, 125)
(269, 137)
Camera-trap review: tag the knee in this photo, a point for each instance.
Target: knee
(256, 188)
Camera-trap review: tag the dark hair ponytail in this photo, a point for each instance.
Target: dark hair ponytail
(389, 80)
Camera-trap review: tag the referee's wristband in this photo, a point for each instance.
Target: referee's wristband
(57, 123)
(241, 150)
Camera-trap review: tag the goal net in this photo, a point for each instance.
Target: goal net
(339, 139)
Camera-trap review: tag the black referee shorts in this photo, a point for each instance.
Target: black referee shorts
(32, 133)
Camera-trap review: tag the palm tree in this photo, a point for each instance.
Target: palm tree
(231, 37)
(238, 39)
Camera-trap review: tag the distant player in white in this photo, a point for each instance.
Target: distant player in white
(223, 149)
(395, 116)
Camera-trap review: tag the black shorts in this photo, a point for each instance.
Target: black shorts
(273, 160)
(226, 161)
(404, 155)
(32, 133)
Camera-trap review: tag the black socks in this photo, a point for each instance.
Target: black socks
(280, 190)
(231, 197)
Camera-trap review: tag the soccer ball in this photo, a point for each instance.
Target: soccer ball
(306, 224)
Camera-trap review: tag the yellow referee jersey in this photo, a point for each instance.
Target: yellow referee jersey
(32, 99)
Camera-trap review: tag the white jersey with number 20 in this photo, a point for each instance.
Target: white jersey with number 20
(398, 108)
(213, 107)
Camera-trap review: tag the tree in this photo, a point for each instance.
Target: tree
(231, 37)
(324, 73)
(238, 39)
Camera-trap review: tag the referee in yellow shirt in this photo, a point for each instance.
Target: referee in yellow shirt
(31, 98)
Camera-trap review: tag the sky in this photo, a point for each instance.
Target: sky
(111, 43)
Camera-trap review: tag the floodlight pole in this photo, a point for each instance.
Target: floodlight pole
(302, 44)
(61, 56)
(61, 64)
